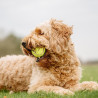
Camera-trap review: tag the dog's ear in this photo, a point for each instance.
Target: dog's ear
(60, 35)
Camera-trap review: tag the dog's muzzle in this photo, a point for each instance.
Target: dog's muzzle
(24, 44)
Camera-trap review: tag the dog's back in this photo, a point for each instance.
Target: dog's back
(15, 72)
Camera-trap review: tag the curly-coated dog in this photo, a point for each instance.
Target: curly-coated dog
(57, 71)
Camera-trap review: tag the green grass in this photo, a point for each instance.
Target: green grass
(89, 74)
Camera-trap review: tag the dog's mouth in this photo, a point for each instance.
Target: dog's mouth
(29, 52)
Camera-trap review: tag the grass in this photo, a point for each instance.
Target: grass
(89, 74)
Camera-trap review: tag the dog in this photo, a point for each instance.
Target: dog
(58, 71)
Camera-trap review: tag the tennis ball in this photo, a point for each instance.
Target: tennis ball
(38, 52)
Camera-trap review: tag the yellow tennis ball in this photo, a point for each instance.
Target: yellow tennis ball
(38, 52)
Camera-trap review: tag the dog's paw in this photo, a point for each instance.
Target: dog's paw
(64, 92)
(11, 92)
(31, 91)
(89, 85)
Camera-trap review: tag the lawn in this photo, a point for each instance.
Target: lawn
(89, 74)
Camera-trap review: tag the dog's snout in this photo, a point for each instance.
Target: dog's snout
(24, 44)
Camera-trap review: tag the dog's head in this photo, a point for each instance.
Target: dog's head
(53, 35)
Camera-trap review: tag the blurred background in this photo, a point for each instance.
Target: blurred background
(19, 17)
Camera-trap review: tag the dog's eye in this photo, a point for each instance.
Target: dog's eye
(39, 32)
(42, 33)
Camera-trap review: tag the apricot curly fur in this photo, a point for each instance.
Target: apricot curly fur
(59, 71)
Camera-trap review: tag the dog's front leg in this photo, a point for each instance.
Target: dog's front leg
(86, 85)
(54, 89)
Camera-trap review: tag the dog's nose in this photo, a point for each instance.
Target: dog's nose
(24, 44)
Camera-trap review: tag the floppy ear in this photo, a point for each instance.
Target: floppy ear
(60, 35)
